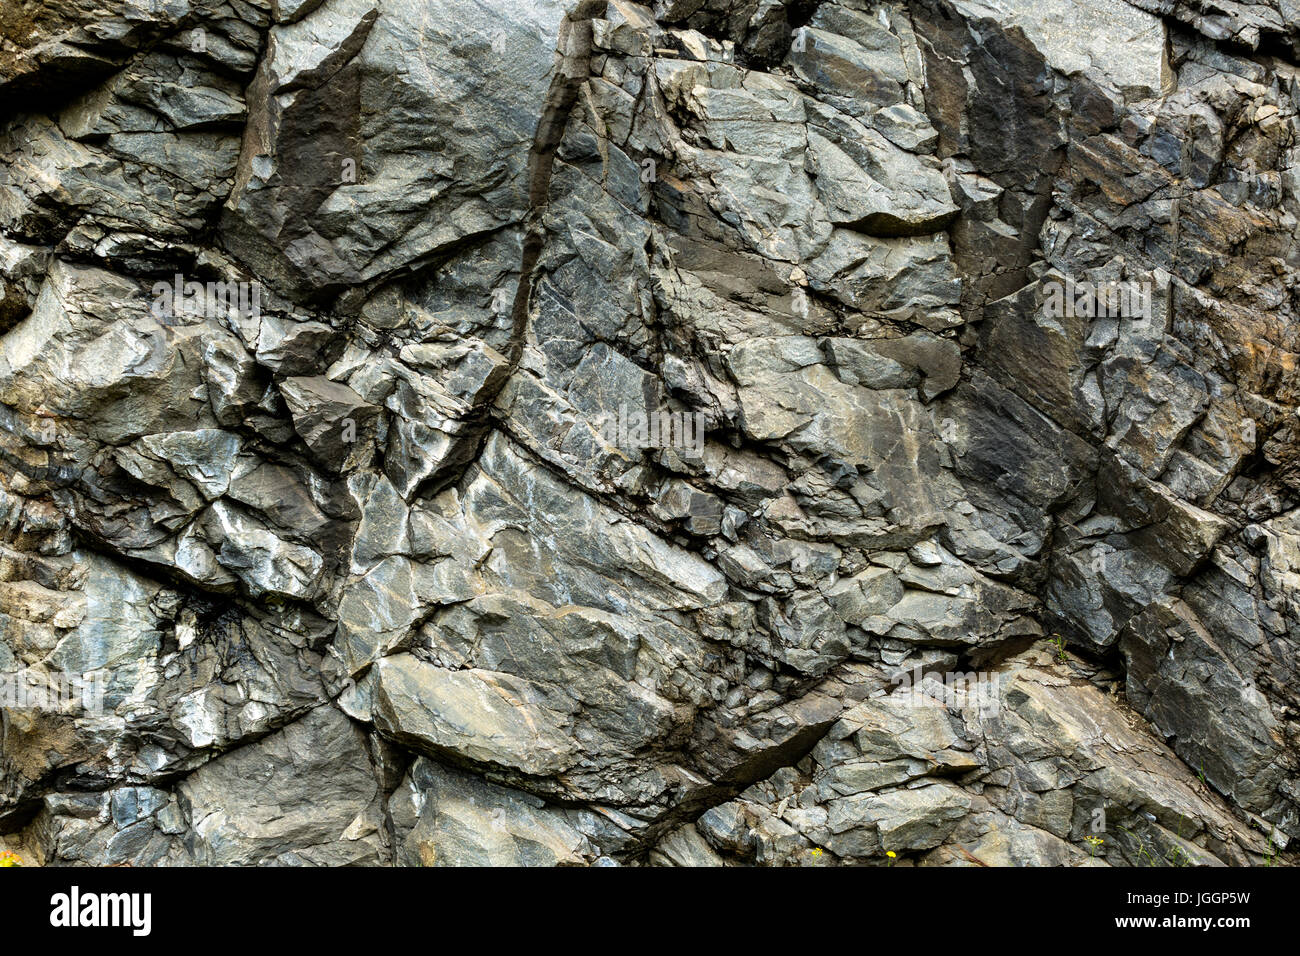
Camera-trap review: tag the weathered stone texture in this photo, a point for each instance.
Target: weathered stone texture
(461, 432)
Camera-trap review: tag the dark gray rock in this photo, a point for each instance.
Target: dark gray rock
(700, 432)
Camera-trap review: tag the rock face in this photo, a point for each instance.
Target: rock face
(456, 432)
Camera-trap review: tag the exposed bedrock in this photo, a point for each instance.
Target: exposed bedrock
(703, 432)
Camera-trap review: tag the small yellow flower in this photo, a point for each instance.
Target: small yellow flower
(891, 854)
(817, 852)
(9, 859)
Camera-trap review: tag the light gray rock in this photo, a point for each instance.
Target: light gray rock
(485, 717)
(962, 559)
(447, 818)
(327, 812)
(337, 424)
(1078, 36)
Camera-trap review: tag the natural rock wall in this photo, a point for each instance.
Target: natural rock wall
(699, 432)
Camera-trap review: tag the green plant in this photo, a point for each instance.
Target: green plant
(1143, 852)
(1177, 856)
(1058, 642)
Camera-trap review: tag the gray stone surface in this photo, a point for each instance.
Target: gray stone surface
(606, 433)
